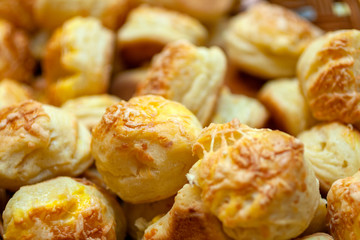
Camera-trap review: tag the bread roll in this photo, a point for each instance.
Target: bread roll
(12, 92)
(39, 142)
(142, 148)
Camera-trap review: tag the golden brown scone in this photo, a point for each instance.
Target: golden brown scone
(50, 14)
(38, 142)
(12, 92)
(333, 150)
(283, 98)
(189, 75)
(78, 60)
(141, 145)
(256, 181)
(148, 29)
(16, 61)
(319, 221)
(343, 208)
(90, 109)
(267, 40)
(248, 110)
(63, 208)
(188, 219)
(140, 216)
(18, 12)
(317, 236)
(328, 73)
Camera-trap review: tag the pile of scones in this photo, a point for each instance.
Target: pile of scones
(118, 121)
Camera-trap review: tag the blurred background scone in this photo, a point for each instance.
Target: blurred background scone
(39, 142)
(78, 60)
(317, 236)
(267, 40)
(187, 74)
(63, 208)
(13, 92)
(148, 29)
(18, 12)
(333, 150)
(328, 72)
(142, 147)
(257, 182)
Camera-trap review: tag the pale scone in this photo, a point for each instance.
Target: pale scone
(317, 236)
(148, 29)
(38, 142)
(256, 181)
(267, 40)
(50, 14)
(343, 208)
(140, 216)
(90, 109)
(187, 74)
(63, 208)
(18, 12)
(329, 72)
(16, 61)
(12, 92)
(333, 150)
(248, 110)
(188, 219)
(78, 60)
(290, 112)
(142, 147)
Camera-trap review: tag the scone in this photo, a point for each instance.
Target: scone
(248, 110)
(78, 60)
(328, 72)
(16, 61)
(148, 29)
(290, 112)
(256, 181)
(319, 222)
(188, 219)
(142, 148)
(90, 109)
(12, 92)
(39, 142)
(317, 236)
(187, 74)
(333, 150)
(267, 40)
(50, 14)
(63, 208)
(18, 12)
(343, 208)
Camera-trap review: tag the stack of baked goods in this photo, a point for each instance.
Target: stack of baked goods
(176, 120)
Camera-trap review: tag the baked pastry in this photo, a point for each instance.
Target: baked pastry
(256, 181)
(140, 145)
(16, 61)
(188, 219)
(18, 12)
(78, 60)
(329, 76)
(189, 75)
(140, 216)
(283, 98)
(39, 142)
(267, 40)
(343, 208)
(90, 109)
(63, 208)
(317, 236)
(333, 150)
(248, 110)
(319, 221)
(148, 29)
(12, 92)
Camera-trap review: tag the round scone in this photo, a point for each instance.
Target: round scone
(63, 208)
(12, 92)
(328, 72)
(38, 142)
(142, 147)
(148, 29)
(267, 40)
(78, 60)
(187, 74)
(16, 61)
(256, 181)
(343, 208)
(333, 150)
